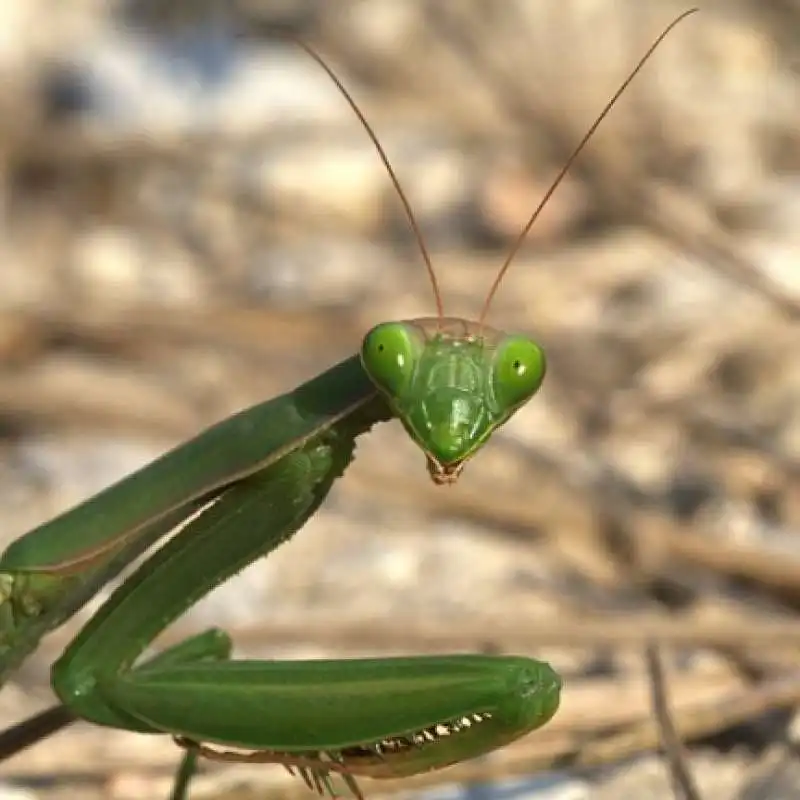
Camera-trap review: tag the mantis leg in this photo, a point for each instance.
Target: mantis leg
(369, 716)
(184, 774)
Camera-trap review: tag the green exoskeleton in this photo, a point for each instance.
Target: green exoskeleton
(239, 490)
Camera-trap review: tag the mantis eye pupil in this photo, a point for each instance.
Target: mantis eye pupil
(517, 367)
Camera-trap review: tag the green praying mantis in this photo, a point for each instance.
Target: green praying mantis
(236, 492)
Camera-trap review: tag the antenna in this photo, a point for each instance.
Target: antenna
(437, 295)
(575, 153)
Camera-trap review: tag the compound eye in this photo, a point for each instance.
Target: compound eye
(389, 354)
(518, 371)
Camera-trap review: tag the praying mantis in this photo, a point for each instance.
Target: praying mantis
(240, 489)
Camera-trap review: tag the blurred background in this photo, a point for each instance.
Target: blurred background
(193, 220)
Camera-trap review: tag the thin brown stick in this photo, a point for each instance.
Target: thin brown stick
(683, 783)
(34, 730)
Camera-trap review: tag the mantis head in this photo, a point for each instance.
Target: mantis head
(451, 383)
